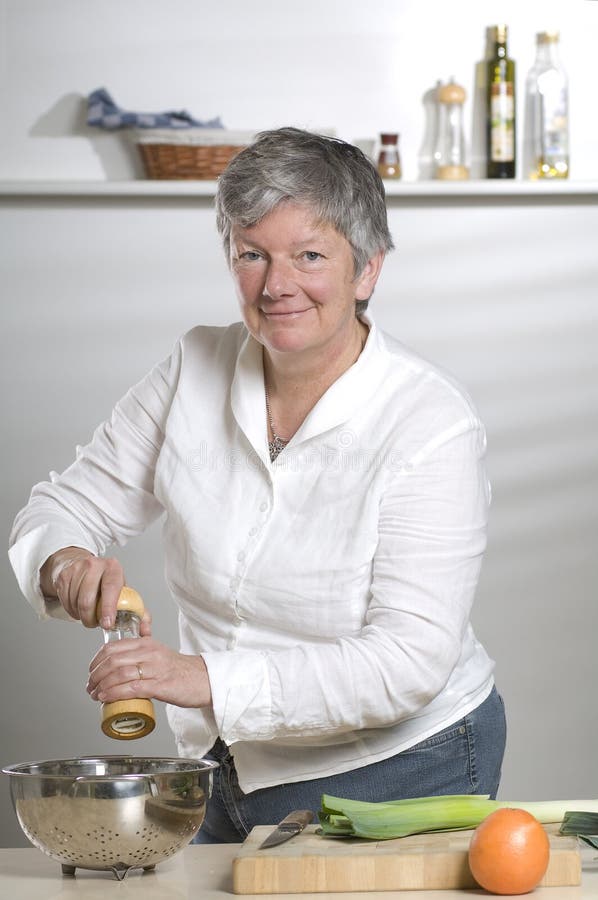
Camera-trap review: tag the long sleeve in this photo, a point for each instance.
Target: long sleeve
(107, 495)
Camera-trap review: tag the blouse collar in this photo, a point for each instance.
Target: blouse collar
(343, 398)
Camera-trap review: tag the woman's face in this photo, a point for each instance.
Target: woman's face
(295, 281)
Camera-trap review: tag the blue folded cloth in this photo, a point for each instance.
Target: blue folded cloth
(103, 112)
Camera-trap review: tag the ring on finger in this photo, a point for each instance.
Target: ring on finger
(140, 671)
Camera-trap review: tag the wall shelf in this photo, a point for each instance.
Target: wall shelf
(432, 189)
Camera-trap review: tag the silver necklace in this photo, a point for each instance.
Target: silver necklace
(277, 444)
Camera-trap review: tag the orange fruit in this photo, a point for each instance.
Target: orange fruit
(509, 852)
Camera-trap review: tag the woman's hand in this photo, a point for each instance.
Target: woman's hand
(79, 580)
(142, 667)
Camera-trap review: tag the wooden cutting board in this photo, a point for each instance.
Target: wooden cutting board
(311, 863)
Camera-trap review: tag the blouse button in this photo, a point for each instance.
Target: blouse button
(263, 507)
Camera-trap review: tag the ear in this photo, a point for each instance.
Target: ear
(367, 278)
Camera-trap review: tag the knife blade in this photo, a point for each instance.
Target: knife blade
(291, 825)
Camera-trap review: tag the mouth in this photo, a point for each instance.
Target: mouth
(285, 315)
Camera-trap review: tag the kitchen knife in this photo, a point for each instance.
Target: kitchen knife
(291, 825)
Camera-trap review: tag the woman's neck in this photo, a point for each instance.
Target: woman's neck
(288, 372)
(294, 382)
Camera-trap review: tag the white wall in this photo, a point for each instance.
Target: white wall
(358, 67)
(503, 293)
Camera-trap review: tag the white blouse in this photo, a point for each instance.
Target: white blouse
(329, 592)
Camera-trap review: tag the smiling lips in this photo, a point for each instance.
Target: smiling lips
(285, 314)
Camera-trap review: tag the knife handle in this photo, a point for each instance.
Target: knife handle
(300, 817)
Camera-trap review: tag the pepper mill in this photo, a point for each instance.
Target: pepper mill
(127, 719)
(450, 151)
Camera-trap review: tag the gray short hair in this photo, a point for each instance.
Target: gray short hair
(331, 177)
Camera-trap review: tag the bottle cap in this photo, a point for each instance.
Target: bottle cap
(389, 138)
(451, 93)
(499, 33)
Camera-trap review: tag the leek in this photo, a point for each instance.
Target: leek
(398, 818)
(583, 824)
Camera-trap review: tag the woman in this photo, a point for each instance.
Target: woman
(325, 513)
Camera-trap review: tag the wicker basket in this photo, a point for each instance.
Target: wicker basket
(193, 153)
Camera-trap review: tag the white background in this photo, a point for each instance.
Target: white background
(501, 291)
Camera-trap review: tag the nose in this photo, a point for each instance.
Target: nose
(279, 281)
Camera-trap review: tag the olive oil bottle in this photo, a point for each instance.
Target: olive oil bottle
(500, 108)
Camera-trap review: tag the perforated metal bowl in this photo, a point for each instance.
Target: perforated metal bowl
(111, 812)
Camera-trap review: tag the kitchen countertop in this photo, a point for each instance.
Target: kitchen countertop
(204, 873)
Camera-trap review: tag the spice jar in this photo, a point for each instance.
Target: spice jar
(389, 160)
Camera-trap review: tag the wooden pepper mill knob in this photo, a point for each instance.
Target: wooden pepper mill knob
(126, 720)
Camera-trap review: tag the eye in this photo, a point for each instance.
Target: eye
(249, 255)
(312, 255)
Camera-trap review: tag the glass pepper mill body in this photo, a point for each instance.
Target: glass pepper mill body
(127, 719)
(389, 160)
(450, 152)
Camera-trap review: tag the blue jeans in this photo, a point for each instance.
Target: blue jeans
(464, 758)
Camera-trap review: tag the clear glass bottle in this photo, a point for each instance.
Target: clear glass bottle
(500, 108)
(389, 159)
(450, 155)
(547, 93)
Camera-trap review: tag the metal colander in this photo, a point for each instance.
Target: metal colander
(111, 812)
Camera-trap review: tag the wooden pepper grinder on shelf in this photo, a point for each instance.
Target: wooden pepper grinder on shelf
(127, 719)
(450, 151)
